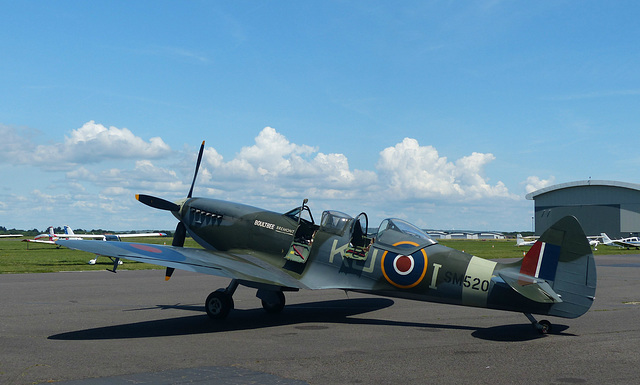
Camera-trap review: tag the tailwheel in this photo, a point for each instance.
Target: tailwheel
(545, 327)
(273, 302)
(219, 304)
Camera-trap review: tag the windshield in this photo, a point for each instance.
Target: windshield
(335, 222)
(398, 226)
(303, 213)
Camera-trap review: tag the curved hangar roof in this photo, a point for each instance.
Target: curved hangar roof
(583, 183)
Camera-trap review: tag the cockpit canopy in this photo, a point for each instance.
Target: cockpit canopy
(393, 230)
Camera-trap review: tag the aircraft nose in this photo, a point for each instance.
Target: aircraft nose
(182, 210)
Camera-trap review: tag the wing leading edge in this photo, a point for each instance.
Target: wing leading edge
(241, 267)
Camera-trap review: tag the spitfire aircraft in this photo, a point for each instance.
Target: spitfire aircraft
(281, 252)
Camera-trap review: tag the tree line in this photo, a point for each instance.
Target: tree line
(60, 230)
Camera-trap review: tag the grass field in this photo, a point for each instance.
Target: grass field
(23, 257)
(506, 248)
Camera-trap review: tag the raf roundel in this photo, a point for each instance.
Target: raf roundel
(151, 252)
(404, 271)
(403, 264)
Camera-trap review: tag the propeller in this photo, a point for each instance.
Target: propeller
(195, 174)
(157, 203)
(163, 204)
(178, 241)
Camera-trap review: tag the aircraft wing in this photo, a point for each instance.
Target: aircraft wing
(92, 236)
(615, 242)
(242, 267)
(619, 243)
(622, 243)
(39, 241)
(141, 235)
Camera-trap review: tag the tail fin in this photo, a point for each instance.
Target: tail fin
(68, 230)
(558, 269)
(605, 239)
(51, 232)
(519, 240)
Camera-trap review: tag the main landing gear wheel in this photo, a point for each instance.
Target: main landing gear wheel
(219, 304)
(274, 303)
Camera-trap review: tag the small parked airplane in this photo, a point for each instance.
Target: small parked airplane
(593, 241)
(521, 242)
(622, 242)
(50, 238)
(10, 235)
(277, 252)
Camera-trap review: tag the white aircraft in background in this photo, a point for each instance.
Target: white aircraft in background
(116, 237)
(593, 241)
(622, 242)
(50, 238)
(521, 242)
(10, 235)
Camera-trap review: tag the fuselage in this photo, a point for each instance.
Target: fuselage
(400, 261)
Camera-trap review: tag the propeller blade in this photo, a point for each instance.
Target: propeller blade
(197, 167)
(168, 273)
(162, 204)
(157, 203)
(179, 235)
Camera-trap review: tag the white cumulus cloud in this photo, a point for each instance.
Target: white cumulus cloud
(534, 183)
(415, 171)
(274, 166)
(93, 143)
(144, 177)
(283, 165)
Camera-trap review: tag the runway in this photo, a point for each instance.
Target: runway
(133, 327)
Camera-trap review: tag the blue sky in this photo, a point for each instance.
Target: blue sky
(443, 113)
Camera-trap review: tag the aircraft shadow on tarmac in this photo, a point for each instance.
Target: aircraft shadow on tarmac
(335, 311)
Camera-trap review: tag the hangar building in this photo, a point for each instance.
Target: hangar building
(601, 206)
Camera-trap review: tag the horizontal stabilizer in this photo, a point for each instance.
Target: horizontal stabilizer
(535, 289)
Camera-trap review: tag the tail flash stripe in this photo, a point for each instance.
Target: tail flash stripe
(541, 261)
(549, 262)
(530, 262)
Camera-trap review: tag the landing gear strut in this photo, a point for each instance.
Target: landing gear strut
(220, 302)
(543, 327)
